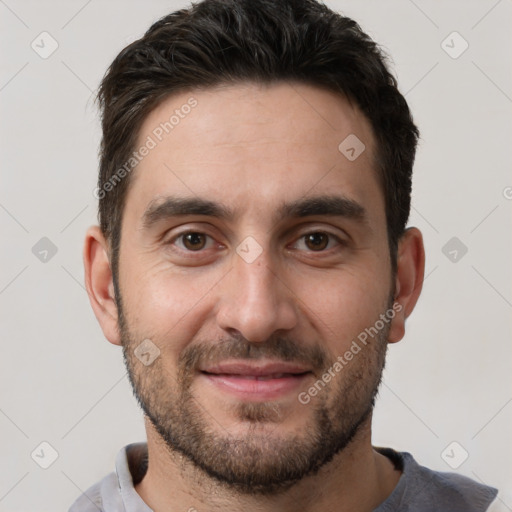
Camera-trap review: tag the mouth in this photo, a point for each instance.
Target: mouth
(256, 381)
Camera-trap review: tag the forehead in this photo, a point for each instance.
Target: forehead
(252, 147)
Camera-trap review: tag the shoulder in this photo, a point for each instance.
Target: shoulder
(116, 491)
(92, 499)
(447, 490)
(421, 489)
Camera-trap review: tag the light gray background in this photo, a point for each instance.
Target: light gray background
(63, 383)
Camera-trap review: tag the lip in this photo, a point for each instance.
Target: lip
(257, 380)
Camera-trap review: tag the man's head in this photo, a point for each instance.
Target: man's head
(254, 263)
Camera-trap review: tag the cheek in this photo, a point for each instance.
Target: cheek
(343, 304)
(166, 304)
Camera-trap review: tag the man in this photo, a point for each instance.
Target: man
(253, 262)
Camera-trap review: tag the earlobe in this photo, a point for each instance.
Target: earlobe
(99, 283)
(409, 280)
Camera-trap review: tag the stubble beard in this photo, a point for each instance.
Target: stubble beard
(258, 461)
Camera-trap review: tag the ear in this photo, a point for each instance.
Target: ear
(99, 283)
(409, 280)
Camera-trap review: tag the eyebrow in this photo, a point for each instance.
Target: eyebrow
(325, 205)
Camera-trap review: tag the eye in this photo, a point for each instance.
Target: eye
(318, 241)
(315, 241)
(192, 241)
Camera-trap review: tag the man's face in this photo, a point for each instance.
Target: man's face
(250, 310)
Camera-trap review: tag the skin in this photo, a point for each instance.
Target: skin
(251, 147)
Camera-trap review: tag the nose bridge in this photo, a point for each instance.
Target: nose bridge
(254, 300)
(257, 279)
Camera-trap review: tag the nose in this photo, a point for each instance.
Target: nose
(255, 300)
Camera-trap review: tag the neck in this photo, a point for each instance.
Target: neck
(359, 478)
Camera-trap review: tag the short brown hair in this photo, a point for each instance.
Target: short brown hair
(227, 41)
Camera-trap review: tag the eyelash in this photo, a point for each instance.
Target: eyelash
(331, 236)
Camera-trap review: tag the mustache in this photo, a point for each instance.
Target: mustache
(237, 347)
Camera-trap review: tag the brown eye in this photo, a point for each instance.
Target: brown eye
(193, 241)
(316, 241)
(321, 242)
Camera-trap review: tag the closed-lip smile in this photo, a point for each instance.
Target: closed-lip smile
(260, 380)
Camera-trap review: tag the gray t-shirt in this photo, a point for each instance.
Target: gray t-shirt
(419, 489)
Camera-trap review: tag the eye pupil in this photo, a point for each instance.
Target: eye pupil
(191, 241)
(317, 241)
